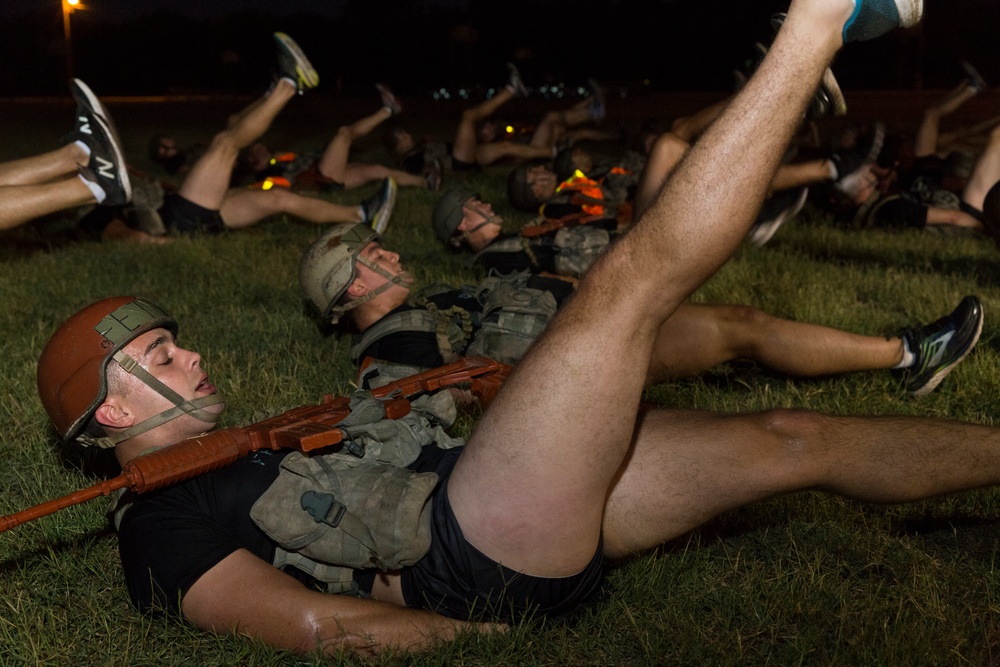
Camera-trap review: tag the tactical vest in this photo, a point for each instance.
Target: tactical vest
(576, 248)
(512, 316)
(358, 507)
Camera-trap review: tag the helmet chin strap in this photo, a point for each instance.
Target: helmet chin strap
(181, 407)
(491, 220)
(339, 310)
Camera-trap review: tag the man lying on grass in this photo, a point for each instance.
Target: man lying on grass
(565, 469)
(347, 274)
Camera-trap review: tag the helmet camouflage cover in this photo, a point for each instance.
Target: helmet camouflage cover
(328, 266)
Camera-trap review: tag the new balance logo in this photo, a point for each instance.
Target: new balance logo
(935, 351)
(105, 169)
(84, 125)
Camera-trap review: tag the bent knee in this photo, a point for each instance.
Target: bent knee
(669, 144)
(742, 327)
(345, 133)
(794, 430)
(224, 144)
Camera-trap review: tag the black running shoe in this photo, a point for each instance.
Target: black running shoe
(775, 212)
(852, 160)
(434, 175)
(940, 346)
(377, 209)
(389, 100)
(598, 110)
(974, 79)
(293, 64)
(515, 82)
(106, 167)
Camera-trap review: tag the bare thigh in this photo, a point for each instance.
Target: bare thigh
(686, 467)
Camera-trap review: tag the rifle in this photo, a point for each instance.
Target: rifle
(305, 429)
(549, 225)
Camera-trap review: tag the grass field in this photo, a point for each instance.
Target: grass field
(803, 579)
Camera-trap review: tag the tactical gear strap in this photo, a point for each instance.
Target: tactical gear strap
(181, 407)
(491, 220)
(338, 310)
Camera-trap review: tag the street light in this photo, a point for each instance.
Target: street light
(68, 7)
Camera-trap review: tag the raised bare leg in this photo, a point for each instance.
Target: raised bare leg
(563, 424)
(464, 148)
(44, 167)
(985, 173)
(333, 163)
(21, 203)
(926, 142)
(208, 181)
(244, 207)
(698, 337)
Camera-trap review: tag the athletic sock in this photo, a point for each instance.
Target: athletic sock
(85, 147)
(99, 194)
(908, 357)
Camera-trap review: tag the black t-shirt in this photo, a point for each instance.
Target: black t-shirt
(169, 538)
(420, 348)
(499, 258)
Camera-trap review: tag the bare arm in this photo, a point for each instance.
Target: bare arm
(945, 216)
(245, 595)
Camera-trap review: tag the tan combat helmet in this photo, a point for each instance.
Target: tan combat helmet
(329, 266)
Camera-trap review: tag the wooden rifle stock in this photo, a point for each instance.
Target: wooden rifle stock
(307, 428)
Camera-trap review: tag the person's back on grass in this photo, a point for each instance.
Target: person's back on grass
(566, 468)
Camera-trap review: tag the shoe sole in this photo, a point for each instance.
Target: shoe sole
(303, 68)
(389, 99)
(86, 97)
(943, 372)
(838, 104)
(381, 221)
(762, 234)
(975, 79)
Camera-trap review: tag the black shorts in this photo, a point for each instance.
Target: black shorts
(182, 216)
(973, 211)
(457, 580)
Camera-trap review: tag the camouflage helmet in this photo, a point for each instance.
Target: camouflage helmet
(329, 265)
(72, 371)
(448, 213)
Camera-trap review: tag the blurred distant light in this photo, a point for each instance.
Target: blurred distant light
(510, 129)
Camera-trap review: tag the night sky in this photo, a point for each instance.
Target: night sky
(171, 46)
